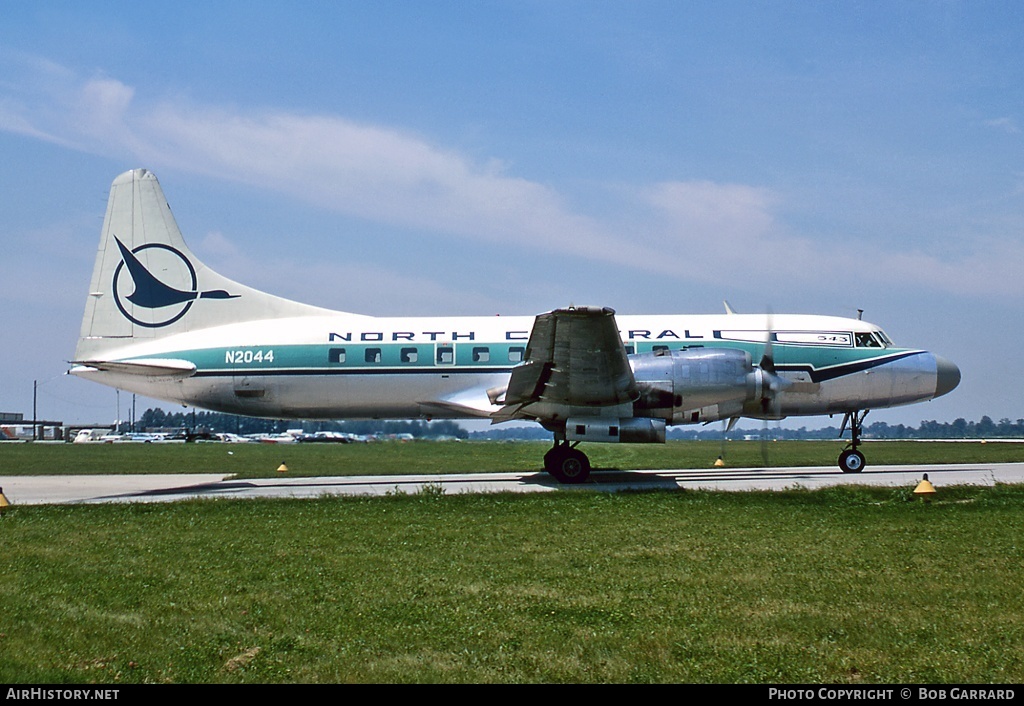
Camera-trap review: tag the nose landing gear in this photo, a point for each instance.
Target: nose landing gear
(851, 460)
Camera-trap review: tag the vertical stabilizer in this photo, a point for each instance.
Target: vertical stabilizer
(147, 284)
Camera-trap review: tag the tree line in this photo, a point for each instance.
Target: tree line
(218, 422)
(960, 428)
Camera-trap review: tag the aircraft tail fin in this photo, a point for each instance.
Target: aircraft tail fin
(146, 283)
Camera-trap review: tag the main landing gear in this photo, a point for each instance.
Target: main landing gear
(567, 463)
(851, 460)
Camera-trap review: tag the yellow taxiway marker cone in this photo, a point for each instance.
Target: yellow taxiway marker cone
(4, 503)
(719, 463)
(925, 489)
(282, 468)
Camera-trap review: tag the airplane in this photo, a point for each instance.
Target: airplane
(159, 323)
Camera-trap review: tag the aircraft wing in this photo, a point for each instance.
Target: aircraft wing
(575, 358)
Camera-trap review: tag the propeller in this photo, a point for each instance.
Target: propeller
(771, 383)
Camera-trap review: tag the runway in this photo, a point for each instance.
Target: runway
(45, 490)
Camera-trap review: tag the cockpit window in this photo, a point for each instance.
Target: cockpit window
(872, 339)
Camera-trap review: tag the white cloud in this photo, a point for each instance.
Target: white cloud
(730, 210)
(103, 104)
(356, 287)
(698, 230)
(706, 221)
(376, 173)
(1007, 125)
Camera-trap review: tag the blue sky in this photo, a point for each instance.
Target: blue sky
(415, 158)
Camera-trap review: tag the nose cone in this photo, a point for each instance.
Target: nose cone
(947, 376)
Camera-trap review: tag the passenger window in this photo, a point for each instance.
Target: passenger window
(481, 354)
(373, 355)
(410, 355)
(445, 355)
(515, 354)
(630, 349)
(336, 355)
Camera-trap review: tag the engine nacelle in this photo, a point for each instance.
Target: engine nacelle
(696, 384)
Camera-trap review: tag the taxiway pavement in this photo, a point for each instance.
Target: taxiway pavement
(40, 490)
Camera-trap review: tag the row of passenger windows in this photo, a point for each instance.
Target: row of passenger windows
(443, 355)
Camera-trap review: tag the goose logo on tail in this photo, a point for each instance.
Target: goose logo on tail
(150, 292)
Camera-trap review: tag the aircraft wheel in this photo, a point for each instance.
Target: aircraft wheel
(851, 461)
(567, 465)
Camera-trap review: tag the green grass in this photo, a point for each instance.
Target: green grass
(845, 585)
(256, 460)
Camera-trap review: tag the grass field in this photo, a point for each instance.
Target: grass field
(256, 460)
(844, 585)
(837, 586)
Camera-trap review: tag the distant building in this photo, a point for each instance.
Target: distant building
(14, 427)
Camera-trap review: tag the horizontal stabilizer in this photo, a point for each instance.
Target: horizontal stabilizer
(146, 367)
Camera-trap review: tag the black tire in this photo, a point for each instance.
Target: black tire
(851, 462)
(569, 466)
(551, 458)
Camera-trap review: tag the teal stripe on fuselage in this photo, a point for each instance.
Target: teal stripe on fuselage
(402, 357)
(351, 357)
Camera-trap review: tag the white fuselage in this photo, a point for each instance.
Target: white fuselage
(346, 366)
